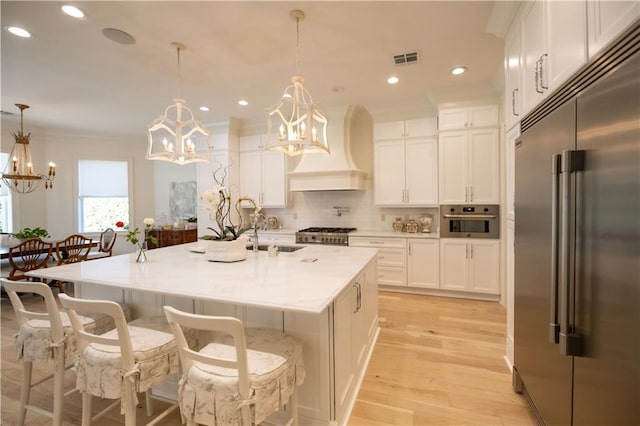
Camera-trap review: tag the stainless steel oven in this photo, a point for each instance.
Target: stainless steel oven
(470, 221)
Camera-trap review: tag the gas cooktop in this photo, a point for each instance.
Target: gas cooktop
(317, 235)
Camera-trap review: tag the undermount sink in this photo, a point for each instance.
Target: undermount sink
(284, 249)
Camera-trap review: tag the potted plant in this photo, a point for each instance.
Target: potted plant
(26, 233)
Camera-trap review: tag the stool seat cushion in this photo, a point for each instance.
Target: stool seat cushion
(99, 369)
(209, 394)
(33, 340)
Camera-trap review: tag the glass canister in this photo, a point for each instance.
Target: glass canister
(398, 225)
(412, 226)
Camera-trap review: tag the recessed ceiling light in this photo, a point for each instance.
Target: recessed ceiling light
(393, 79)
(243, 102)
(338, 89)
(204, 108)
(73, 11)
(20, 32)
(458, 70)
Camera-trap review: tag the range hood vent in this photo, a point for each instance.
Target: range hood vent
(350, 134)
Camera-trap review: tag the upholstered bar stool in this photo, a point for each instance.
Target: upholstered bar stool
(118, 364)
(240, 376)
(46, 336)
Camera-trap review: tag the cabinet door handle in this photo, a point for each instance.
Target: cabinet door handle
(471, 193)
(466, 251)
(409, 249)
(542, 60)
(470, 251)
(407, 192)
(466, 193)
(513, 102)
(358, 297)
(538, 76)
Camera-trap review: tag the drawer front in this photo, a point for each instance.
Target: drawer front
(392, 276)
(392, 257)
(174, 237)
(378, 242)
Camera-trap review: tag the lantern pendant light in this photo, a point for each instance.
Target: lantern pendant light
(295, 124)
(177, 136)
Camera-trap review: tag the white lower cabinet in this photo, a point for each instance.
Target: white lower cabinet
(355, 313)
(392, 258)
(423, 263)
(470, 265)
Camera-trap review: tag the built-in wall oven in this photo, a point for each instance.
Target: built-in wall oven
(470, 221)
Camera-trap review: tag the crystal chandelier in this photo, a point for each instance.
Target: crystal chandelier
(177, 136)
(295, 124)
(19, 175)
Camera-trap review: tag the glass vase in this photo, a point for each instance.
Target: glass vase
(142, 252)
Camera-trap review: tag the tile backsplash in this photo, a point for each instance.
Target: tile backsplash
(356, 208)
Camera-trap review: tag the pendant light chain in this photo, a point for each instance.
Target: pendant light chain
(297, 46)
(178, 80)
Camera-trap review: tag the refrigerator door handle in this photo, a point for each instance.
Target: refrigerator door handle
(570, 341)
(554, 326)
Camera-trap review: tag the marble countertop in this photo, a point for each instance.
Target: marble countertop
(289, 282)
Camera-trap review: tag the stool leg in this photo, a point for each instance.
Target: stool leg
(58, 385)
(149, 402)
(293, 402)
(130, 404)
(25, 391)
(86, 409)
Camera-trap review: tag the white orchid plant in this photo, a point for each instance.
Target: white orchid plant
(217, 203)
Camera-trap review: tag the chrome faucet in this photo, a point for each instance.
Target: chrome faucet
(255, 235)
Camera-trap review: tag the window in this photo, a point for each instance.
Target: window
(103, 194)
(6, 224)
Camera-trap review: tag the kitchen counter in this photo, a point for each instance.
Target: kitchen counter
(303, 281)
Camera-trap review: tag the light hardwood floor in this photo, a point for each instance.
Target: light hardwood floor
(437, 361)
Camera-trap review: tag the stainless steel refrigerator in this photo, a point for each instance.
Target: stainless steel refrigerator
(577, 246)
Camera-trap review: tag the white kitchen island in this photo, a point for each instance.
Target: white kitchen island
(326, 295)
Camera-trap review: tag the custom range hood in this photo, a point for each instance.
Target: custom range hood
(350, 136)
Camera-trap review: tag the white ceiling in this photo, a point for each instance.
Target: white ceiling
(73, 77)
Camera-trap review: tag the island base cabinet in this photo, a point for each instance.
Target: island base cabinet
(351, 334)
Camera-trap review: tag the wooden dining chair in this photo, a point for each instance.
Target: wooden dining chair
(240, 376)
(27, 256)
(105, 246)
(74, 248)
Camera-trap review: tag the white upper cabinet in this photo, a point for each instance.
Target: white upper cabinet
(468, 117)
(512, 94)
(553, 46)
(405, 129)
(607, 19)
(406, 163)
(469, 159)
(263, 174)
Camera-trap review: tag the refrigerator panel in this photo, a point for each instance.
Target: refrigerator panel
(546, 374)
(607, 376)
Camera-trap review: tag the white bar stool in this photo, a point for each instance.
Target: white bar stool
(118, 364)
(45, 336)
(240, 376)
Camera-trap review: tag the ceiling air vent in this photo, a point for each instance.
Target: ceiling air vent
(406, 58)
